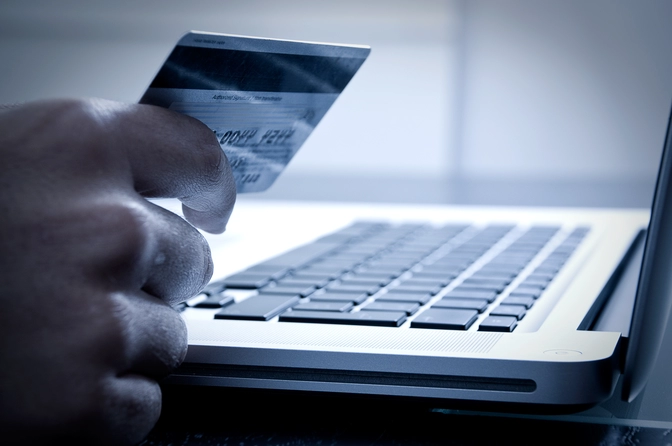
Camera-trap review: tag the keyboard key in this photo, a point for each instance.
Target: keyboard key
(556, 257)
(353, 257)
(470, 250)
(393, 272)
(466, 293)
(332, 272)
(247, 280)
(477, 288)
(541, 277)
(391, 296)
(273, 271)
(258, 308)
(565, 249)
(324, 306)
(506, 264)
(501, 269)
(381, 279)
(288, 290)
(446, 263)
(416, 288)
(547, 230)
(214, 301)
(413, 252)
(454, 259)
(302, 282)
(528, 282)
(525, 301)
(524, 246)
(430, 283)
(516, 257)
(331, 262)
(547, 269)
(362, 282)
(525, 293)
(466, 304)
(517, 311)
(529, 290)
(407, 307)
(375, 318)
(494, 284)
(443, 278)
(439, 271)
(340, 238)
(498, 323)
(332, 296)
(480, 274)
(356, 230)
(368, 247)
(319, 280)
(551, 264)
(214, 287)
(580, 232)
(445, 319)
(300, 256)
(200, 297)
(391, 262)
(347, 288)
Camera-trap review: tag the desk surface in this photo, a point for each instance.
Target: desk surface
(219, 417)
(209, 416)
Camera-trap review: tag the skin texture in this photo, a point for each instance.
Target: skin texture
(89, 268)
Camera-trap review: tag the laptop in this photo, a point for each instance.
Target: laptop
(489, 307)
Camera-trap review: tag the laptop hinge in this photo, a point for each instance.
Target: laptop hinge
(612, 310)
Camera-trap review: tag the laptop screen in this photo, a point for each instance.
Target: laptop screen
(654, 292)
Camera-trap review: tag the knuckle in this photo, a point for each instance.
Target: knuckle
(66, 108)
(126, 242)
(130, 225)
(84, 113)
(74, 136)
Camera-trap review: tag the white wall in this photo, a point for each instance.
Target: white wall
(566, 89)
(480, 88)
(393, 119)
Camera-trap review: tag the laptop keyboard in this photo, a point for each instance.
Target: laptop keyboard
(453, 277)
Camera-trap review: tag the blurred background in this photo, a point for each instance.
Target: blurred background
(461, 101)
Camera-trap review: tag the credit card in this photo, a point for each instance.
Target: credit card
(261, 97)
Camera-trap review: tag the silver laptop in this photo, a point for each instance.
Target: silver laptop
(521, 308)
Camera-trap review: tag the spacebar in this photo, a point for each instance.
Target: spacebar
(378, 318)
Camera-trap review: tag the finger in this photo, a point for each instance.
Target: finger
(173, 155)
(132, 408)
(131, 244)
(155, 335)
(180, 263)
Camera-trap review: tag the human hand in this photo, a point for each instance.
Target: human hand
(89, 268)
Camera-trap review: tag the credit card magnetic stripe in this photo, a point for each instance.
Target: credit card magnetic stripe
(197, 68)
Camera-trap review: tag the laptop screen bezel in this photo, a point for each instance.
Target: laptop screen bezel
(654, 290)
